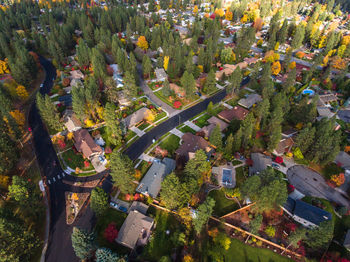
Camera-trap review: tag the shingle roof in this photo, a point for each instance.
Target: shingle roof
(151, 182)
(250, 100)
(343, 159)
(284, 145)
(260, 163)
(191, 144)
(85, 144)
(306, 211)
(236, 112)
(135, 117)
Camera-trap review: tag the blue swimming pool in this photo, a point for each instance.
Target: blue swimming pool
(308, 92)
(227, 176)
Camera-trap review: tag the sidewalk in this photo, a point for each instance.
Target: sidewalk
(177, 132)
(193, 126)
(137, 131)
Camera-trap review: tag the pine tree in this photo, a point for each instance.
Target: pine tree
(305, 138)
(283, 32)
(215, 137)
(83, 53)
(275, 137)
(237, 140)
(48, 112)
(78, 102)
(83, 243)
(203, 213)
(130, 87)
(247, 129)
(229, 146)
(122, 172)
(98, 201)
(234, 81)
(113, 125)
(106, 255)
(166, 91)
(210, 83)
(298, 37)
(289, 83)
(189, 85)
(98, 63)
(146, 65)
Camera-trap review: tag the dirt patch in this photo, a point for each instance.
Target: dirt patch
(89, 184)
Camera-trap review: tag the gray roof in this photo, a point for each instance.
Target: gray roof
(347, 240)
(344, 115)
(133, 227)
(135, 117)
(160, 74)
(151, 182)
(71, 121)
(250, 100)
(324, 112)
(138, 206)
(307, 212)
(343, 159)
(260, 163)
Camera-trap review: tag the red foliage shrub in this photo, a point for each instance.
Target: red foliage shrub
(177, 104)
(108, 150)
(111, 232)
(86, 163)
(137, 197)
(291, 227)
(61, 144)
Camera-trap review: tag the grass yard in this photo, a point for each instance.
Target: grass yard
(186, 129)
(233, 101)
(236, 162)
(160, 243)
(129, 135)
(239, 252)
(171, 143)
(74, 160)
(163, 98)
(143, 167)
(202, 121)
(240, 176)
(223, 205)
(111, 215)
(143, 126)
(159, 116)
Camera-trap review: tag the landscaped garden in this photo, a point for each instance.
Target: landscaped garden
(75, 160)
(223, 205)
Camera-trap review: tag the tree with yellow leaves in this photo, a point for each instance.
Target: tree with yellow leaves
(228, 15)
(292, 65)
(188, 258)
(149, 116)
(142, 43)
(195, 9)
(166, 62)
(276, 68)
(339, 63)
(22, 92)
(244, 19)
(220, 12)
(70, 135)
(4, 68)
(18, 116)
(346, 40)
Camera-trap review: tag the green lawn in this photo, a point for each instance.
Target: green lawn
(160, 244)
(222, 204)
(187, 129)
(159, 116)
(202, 121)
(240, 176)
(129, 135)
(143, 126)
(163, 98)
(239, 252)
(233, 101)
(74, 160)
(111, 215)
(236, 162)
(171, 143)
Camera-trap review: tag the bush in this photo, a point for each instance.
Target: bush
(270, 231)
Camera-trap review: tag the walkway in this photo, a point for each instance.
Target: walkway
(146, 157)
(177, 132)
(151, 96)
(138, 132)
(226, 105)
(193, 126)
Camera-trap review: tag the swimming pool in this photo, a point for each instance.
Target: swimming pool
(308, 92)
(227, 176)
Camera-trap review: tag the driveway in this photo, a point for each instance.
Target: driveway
(311, 183)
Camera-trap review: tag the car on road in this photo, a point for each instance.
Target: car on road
(118, 207)
(41, 85)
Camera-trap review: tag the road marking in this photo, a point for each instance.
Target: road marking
(63, 174)
(59, 177)
(54, 179)
(49, 182)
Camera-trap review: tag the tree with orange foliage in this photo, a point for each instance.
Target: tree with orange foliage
(244, 19)
(22, 92)
(292, 65)
(220, 12)
(338, 179)
(142, 43)
(339, 63)
(228, 15)
(19, 117)
(346, 40)
(188, 258)
(195, 9)
(258, 24)
(276, 68)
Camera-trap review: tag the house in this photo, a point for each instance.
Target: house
(76, 74)
(284, 146)
(71, 122)
(151, 183)
(306, 214)
(324, 112)
(213, 122)
(187, 41)
(122, 99)
(260, 163)
(237, 112)
(289, 133)
(160, 74)
(136, 229)
(346, 243)
(344, 115)
(85, 144)
(179, 91)
(190, 145)
(343, 160)
(226, 175)
(135, 117)
(326, 99)
(250, 100)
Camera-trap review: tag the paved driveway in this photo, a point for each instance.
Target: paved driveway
(311, 183)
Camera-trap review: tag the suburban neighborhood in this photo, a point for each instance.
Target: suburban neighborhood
(175, 130)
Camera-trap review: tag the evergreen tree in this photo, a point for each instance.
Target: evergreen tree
(229, 146)
(83, 53)
(210, 83)
(262, 111)
(172, 193)
(275, 137)
(98, 63)
(130, 87)
(78, 102)
(247, 129)
(215, 137)
(122, 172)
(166, 91)
(289, 83)
(189, 85)
(99, 201)
(146, 65)
(237, 140)
(283, 32)
(48, 112)
(106, 255)
(203, 213)
(83, 243)
(234, 81)
(113, 125)
(210, 108)
(298, 37)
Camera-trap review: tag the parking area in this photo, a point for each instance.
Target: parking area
(310, 183)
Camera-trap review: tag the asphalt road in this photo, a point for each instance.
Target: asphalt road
(59, 243)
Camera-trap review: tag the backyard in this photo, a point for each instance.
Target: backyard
(223, 205)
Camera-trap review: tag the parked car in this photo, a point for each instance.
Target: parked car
(275, 166)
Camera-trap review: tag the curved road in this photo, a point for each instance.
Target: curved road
(59, 243)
